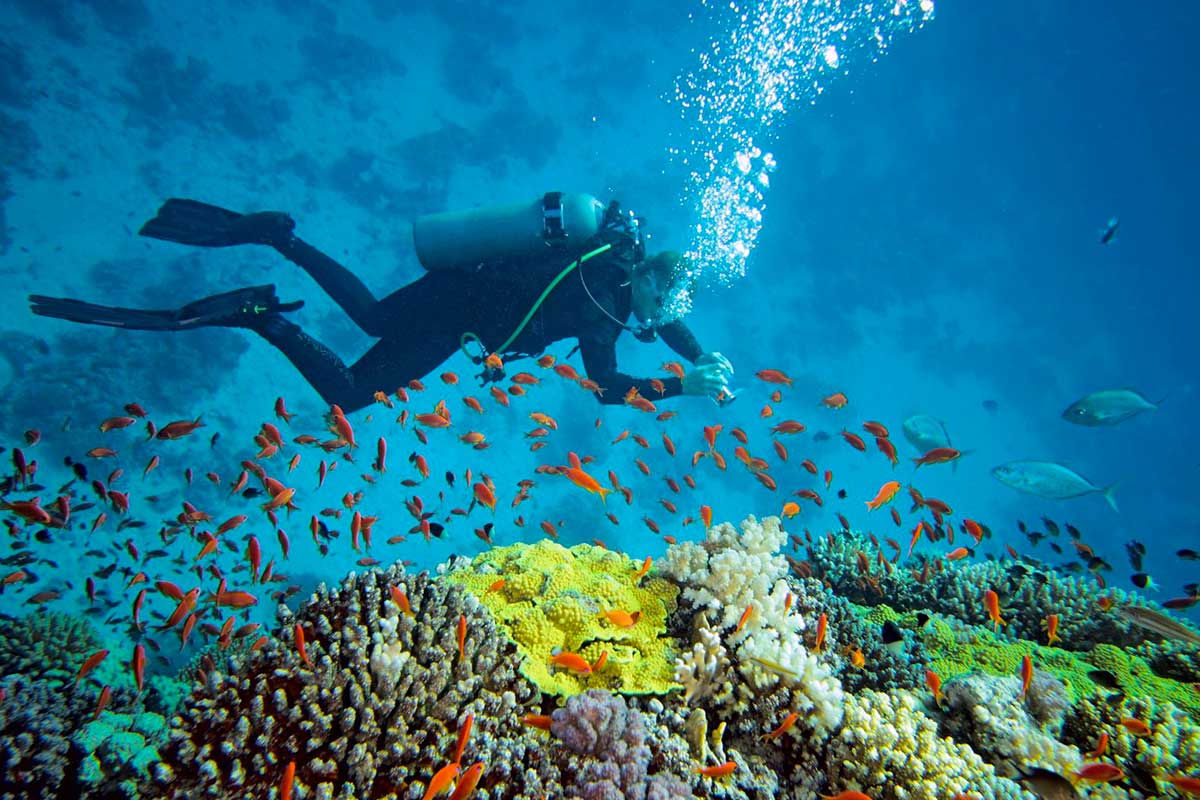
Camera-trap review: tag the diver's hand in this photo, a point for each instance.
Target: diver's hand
(705, 379)
(719, 360)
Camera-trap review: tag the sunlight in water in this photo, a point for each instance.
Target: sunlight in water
(772, 57)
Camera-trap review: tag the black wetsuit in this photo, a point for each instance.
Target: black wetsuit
(420, 325)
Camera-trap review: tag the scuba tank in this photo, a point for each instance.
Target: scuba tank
(507, 234)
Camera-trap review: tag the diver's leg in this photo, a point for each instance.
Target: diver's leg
(202, 225)
(338, 282)
(387, 365)
(319, 365)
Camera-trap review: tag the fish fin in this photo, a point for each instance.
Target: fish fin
(1110, 497)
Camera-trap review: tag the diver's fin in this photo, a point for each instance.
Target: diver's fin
(203, 225)
(241, 308)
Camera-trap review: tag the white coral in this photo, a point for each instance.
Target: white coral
(702, 670)
(816, 694)
(388, 655)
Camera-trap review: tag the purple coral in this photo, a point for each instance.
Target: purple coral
(611, 738)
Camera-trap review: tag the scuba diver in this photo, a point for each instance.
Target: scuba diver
(508, 280)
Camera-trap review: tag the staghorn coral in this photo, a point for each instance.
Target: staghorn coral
(888, 749)
(614, 755)
(554, 598)
(376, 713)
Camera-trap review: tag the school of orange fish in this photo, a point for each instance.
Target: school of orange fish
(269, 474)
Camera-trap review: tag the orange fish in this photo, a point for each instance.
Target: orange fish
(622, 619)
(467, 783)
(876, 429)
(641, 573)
(401, 600)
(743, 619)
(441, 780)
(673, 367)
(855, 441)
(542, 721)
(586, 482)
(787, 723)
(1026, 674)
(835, 400)
(298, 637)
(773, 376)
(857, 659)
(462, 636)
(1099, 773)
(1183, 783)
(991, 601)
(139, 665)
(822, 626)
(571, 661)
(884, 496)
(938, 455)
(1135, 726)
(179, 428)
(485, 496)
(790, 509)
(1050, 625)
(289, 776)
(788, 426)
(90, 664)
(706, 516)
(888, 449)
(1101, 747)
(958, 552)
(720, 770)
(934, 682)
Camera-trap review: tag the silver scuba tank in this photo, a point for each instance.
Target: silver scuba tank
(561, 222)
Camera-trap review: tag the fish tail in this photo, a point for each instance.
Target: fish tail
(1110, 497)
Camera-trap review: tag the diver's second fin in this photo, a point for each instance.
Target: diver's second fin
(203, 225)
(241, 308)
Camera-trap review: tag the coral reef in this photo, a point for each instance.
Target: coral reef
(890, 750)
(120, 749)
(614, 758)
(374, 711)
(46, 647)
(556, 599)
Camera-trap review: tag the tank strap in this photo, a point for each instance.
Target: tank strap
(537, 304)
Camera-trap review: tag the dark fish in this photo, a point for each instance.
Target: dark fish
(215, 438)
(1188, 555)
(1047, 785)
(1073, 532)
(19, 559)
(1021, 526)
(106, 571)
(251, 493)
(922, 619)
(43, 536)
(991, 406)
(892, 638)
(80, 471)
(1143, 581)
(1102, 677)
(1056, 548)
(130, 523)
(450, 479)
(841, 494)
(1096, 563)
(154, 554)
(1135, 551)
(1034, 537)
(1041, 578)
(95, 553)
(1074, 567)
(1109, 232)
(436, 528)
(1051, 526)
(820, 436)
(82, 507)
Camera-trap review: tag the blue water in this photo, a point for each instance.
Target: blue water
(929, 242)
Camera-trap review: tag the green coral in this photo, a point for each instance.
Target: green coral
(955, 648)
(554, 599)
(46, 645)
(120, 750)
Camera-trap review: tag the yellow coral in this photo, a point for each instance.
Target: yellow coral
(554, 599)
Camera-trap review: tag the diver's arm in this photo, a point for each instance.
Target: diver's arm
(600, 361)
(679, 338)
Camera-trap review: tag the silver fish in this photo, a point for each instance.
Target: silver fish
(1107, 407)
(925, 433)
(1048, 479)
(1161, 624)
